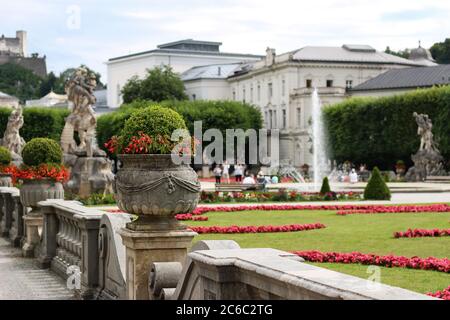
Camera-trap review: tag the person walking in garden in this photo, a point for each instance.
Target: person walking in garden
(226, 171)
(218, 173)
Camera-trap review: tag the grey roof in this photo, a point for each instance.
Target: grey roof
(7, 96)
(214, 71)
(189, 41)
(351, 54)
(421, 77)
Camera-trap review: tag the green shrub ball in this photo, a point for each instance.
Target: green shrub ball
(153, 121)
(5, 157)
(42, 150)
(377, 188)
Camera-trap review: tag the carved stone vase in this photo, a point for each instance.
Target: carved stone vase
(6, 180)
(155, 189)
(31, 193)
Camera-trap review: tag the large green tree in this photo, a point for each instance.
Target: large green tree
(160, 84)
(441, 51)
(19, 82)
(402, 53)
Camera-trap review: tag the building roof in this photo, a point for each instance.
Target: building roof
(349, 54)
(214, 71)
(420, 77)
(7, 96)
(189, 47)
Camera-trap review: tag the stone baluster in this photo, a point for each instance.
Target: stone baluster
(16, 232)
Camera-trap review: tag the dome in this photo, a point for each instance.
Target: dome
(421, 54)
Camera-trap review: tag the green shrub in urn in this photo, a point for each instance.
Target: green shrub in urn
(42, 150)
(149, 184)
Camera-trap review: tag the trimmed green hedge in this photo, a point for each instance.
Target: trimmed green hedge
(214, 114)
(377, 188)
(381, 131)
(39, 122)
(42, 150)
(5, 157)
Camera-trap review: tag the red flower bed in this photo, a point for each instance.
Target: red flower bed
(190, 217)
(390, 261)
(258, 229)
(395, 209)
(419, 233)
(444, 294)
(53, 172)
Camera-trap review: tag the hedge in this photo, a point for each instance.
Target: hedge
(381, 131)
(214, 114)
(39, 122)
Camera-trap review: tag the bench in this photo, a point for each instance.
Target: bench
(239, 187)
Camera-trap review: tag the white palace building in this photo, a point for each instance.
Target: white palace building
(279, 85)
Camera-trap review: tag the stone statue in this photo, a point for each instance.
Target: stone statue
(428, 160)
(80, 93)
(11, 138)
(90, 169)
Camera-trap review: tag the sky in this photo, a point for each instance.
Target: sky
(74, 32)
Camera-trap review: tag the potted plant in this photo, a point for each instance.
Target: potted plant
(6, 169)
(148, 183)
(42, 173)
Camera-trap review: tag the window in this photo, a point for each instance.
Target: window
(266, 119)
(243, 95)
(118, 94)
(194, 97)
(270, 90)
(274, 119)
(270, 119)
(234, 95)
(259, 92)
(283, 87)
(251, 93)
(308, 83)
(284, 118)
(299, 117)
(349, 84)
(329, 83)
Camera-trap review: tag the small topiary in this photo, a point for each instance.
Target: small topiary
(325, 186)
(42, 150)
(5, 157)
(156, 122)
(377, 189)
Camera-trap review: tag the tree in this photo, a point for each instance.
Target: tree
(19, 82)
(325, 186)
(402, 53)
(48, 84)
(160, 84)
(441, 51)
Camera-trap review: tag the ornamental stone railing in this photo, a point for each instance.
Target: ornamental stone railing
(70, 243)
(11, 223)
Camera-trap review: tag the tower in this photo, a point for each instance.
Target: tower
(22, 36)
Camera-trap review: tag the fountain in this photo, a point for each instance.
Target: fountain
(320, 159)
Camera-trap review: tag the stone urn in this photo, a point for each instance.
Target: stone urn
(34, 191)
(6, 180)
(155, 189)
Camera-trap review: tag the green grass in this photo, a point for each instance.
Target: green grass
(363, 233)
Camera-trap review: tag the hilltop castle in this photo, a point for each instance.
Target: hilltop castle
(14, 50)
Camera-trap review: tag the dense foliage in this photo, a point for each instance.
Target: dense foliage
(5, 157)
(213, 114)
(377, 189)
(160, 83)
(325, 186)
(42, 151)
(441, 51)
(38, 122)
(19, 82)
(381, 131)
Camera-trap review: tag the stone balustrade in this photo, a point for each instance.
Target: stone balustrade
(75, 237)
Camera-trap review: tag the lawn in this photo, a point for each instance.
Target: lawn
(363, 233)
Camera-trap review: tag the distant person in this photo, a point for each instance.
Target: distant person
(275, 180)
(353, 177)
(226, 171)
(249, 180)
(238, 171)
(218, 174)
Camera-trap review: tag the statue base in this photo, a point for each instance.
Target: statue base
(426, 163)
(88, 175)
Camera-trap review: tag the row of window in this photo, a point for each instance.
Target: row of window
(309, 84)
(272, 120)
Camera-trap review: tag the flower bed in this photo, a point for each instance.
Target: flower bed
(419, 233)
(444, 294)
(281, 196)
(258, 229)
(390, 261)
(395, 209)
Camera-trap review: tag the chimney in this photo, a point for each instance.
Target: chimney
(22, 36)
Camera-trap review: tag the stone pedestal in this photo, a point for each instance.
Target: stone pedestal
(146, 247)
(33, 227)
(89, 175)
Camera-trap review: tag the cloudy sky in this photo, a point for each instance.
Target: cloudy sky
(74, 32)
